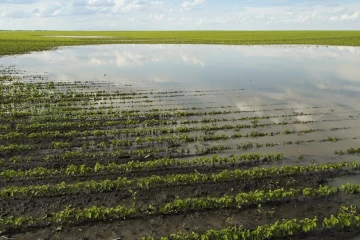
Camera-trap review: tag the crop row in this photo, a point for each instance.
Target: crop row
(76, 97)
(100, 213)
(348, 151)
(32, 90)
(135, 123)
(56, 102)
(82, 115)
(142, 152)
(99, 155)
(14, 135)
(114, 155)
(172, 140)
(112, 104)
(41, 97)
(22, 90)
(167, 139)
(73, 170)
(155, 181)
(106, 117)
(19, 88)
(103, 105)
(346, 219)
(246, 146)
(35, 111)
(53, 103)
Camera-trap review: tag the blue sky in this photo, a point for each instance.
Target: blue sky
(179, 14)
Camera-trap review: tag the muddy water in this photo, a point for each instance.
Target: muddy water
(322, 82)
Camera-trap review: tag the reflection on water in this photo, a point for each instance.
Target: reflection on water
(305, 74)
(323, 82)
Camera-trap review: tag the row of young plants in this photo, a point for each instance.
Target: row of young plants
(244, 199)
(14, 148)
(82, 170)
(42, 113)
(118, 142)
(54, 104)
(178, 139)
(36, 111)
(127, 132)
(246, 146)
(172, 140)
(162, 114)
(82, 115)
(21, 96)
(75, 84)
(91, 124)
(66, 91)
(58, 102)
(127, 123)
(85, 116)
(161, 181)
(346, 220)
(331, 139)
(50, 85)
(348, 151)
(55, 101)
(16, 90)
(49, 112)
(69, 156)
(200, 113)
(35, 96)
(207, 150)
(113, 155)
(100, 213)
(60, 112)
(20, 91)
(131, 123)
(110, 104)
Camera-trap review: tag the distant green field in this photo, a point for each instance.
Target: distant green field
(19, 42)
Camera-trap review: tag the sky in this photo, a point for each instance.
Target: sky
(179, 14)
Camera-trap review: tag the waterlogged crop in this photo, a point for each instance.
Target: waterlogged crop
(96, 151)
(123, 183)
(348, 151)
(73, 170)
(284, 228)
(96, 213)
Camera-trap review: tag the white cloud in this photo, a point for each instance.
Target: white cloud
(18, 1)
(133, 5)
(188, 5)
(177, 14)
(158, 17)
(334, 18)
(353, 16)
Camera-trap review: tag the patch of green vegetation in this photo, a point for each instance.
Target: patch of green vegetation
(20, 42)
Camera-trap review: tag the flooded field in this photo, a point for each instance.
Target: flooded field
(180, 142)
